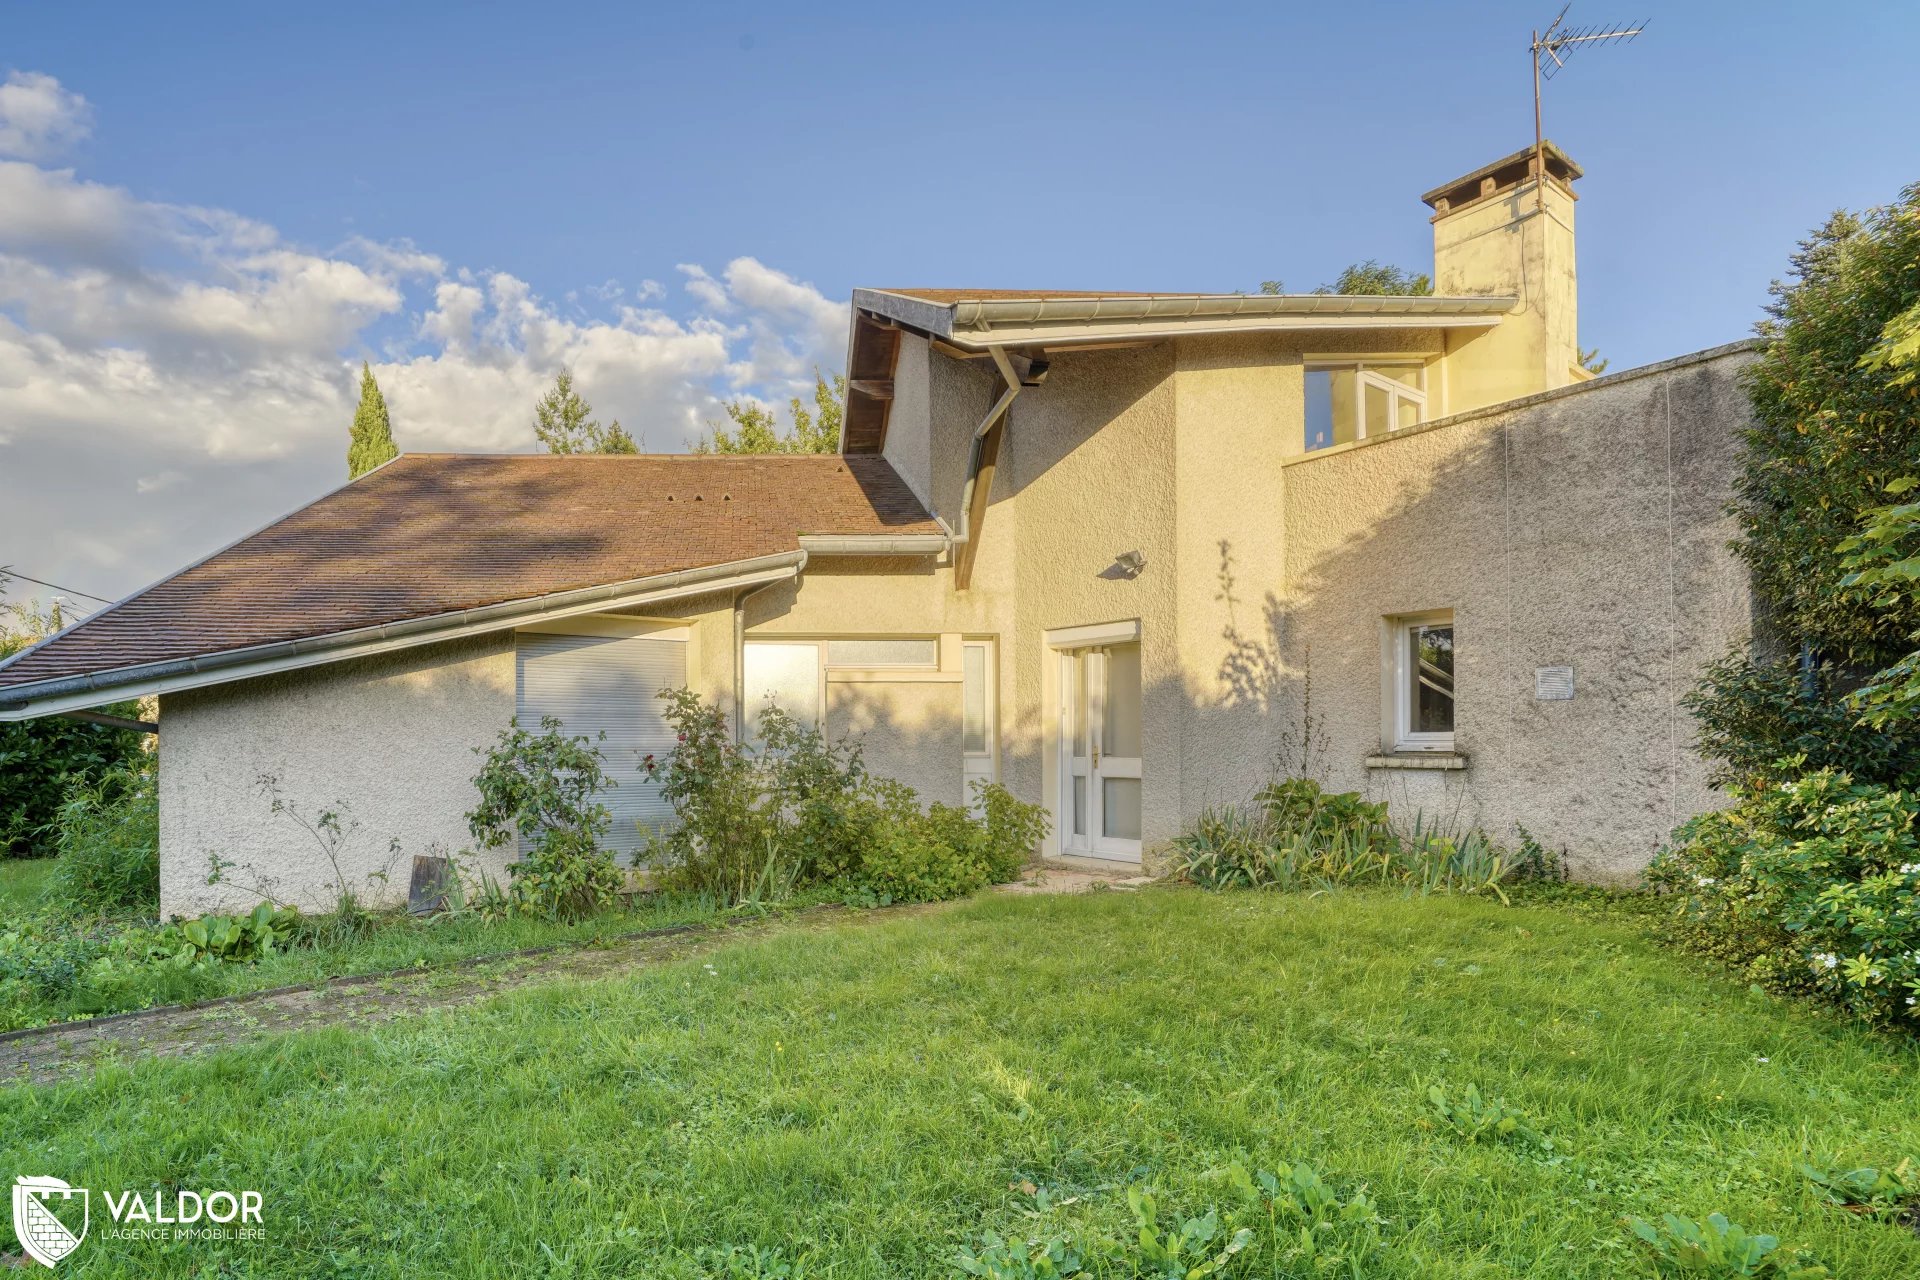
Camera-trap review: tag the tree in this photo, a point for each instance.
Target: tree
(1836, 432)
(815, 430)
(41, 759)
(1836, 421)
(563, 421)
(371, 444)
(1371, 278)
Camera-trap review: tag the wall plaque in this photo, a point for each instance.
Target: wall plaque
(1552, 684)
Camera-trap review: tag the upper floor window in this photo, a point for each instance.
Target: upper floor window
(1355, 399)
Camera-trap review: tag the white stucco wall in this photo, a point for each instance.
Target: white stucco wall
(388, 741)
(1583, 529)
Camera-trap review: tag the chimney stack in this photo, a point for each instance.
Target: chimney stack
(1496, 232)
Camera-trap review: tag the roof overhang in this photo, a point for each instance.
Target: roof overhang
(875, 544)
(74, 693)
(1047, 322)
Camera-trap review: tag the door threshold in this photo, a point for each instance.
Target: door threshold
(1115, 867)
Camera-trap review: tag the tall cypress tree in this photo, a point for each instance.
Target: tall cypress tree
(372, 442)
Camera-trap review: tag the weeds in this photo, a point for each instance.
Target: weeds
(1718, 1250)
(1477, 1120)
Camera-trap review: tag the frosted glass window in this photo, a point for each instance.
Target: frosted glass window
(883, 653)
(1120, 808)
(607, 688)
(973, 732)
(786, 675)
(1120, 735)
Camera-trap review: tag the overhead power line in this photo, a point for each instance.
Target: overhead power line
(6, 572)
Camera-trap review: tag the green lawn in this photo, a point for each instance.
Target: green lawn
(21, 882)
(864, 1097)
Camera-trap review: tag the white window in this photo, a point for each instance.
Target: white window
(1357, 399)
(793, 673)
(1422, 675)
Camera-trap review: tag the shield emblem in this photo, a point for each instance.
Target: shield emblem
(48, 1236)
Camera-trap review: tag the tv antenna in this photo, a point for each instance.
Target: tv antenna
(1550, 50)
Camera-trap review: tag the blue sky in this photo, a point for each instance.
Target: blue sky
(463, 194)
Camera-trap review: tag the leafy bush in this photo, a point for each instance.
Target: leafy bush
(1014, 829)
(803, 810)
(107, 836)
(1297, 836)
(1718, 1250)
(265, 930)
(1761, 722)
(541, 786)
(725, 801)
(1811, 885)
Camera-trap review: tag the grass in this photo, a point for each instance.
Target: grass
(22, 881)
(397, 942)
(871, 1098)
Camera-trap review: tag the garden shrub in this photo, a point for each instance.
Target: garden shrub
(107, 837)
(540, 787)
(727, 824)
(803, 810)
(1014, 829)
(1811, 885)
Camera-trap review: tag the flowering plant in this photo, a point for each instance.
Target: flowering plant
(1812, 884)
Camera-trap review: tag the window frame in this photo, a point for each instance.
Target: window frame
(1403, 631)
(1364, 368)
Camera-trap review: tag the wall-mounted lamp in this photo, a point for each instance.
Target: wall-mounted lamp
(1131, 563)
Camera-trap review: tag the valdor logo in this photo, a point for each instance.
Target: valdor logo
(45, 1235)
(48, 1236)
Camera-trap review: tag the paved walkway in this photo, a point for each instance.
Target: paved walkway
(74, 1049)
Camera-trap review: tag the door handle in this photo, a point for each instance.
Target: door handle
(1096, 757)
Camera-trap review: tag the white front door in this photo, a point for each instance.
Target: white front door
(1099, 808)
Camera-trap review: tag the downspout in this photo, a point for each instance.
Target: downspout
(964, 533)
(740, 646)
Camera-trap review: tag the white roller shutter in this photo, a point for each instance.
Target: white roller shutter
(610, 684)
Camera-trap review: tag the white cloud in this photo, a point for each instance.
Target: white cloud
(196, 346)
(39, 117)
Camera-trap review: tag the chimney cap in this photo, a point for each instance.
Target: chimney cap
(1505, 174)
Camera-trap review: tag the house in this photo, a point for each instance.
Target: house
(1126, 553)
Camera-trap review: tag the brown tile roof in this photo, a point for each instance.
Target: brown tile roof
(436, 533)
